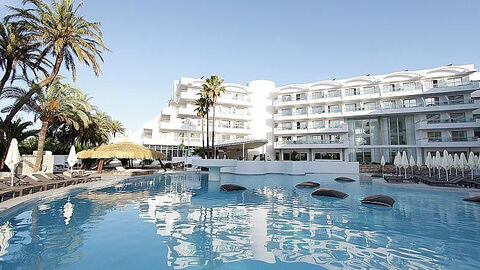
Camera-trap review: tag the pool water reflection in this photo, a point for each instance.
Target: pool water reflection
(185, 222)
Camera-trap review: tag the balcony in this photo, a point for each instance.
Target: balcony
(232, 115)
(289, 102)
(233, 130)
(311, 144)
(449, 123)
(293, 116)
(244, 102)
(189, 110)
(179, 126)
(450, 142)
(416, 108)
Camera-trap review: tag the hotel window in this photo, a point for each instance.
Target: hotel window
(147, 133)
(333, 93)
(334, 123)
(391, 88)
(318, 110)
(459, 135)
(432, 101)
(370, 106)
(225, 138)
(287, 139)
(301, 96)
(350, 107)
(317, 95)
(334, 108)
(301, 111)
(240, 125)
(318, 124)
(287, 125)
(301, 139)
(389, 104)
(335, 138)
(433, 118)
(286, 98)
(302, 125)
(225, 124)
(407, 103)
(457, 81)
(317, 138)
(412, 86)
(457, 99)
(370, 90)
(457, 117)
(352, 91)
(286, 112)
(327, 156)
(434, 83)
(434, 136)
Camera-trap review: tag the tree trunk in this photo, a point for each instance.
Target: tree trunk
(203, 138)
(213, 133)
(208, 144)
(41, 144)
(33, 90)
(8, 72)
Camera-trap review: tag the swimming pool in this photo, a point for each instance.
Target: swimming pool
(185, 222)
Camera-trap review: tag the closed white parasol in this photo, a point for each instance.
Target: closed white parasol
(13, 158)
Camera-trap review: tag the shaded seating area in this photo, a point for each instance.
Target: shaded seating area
(122, 151)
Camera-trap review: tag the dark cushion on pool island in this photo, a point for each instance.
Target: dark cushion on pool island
(327, 192)
(231, 187)
(344, 179)
(308, 184)
(379, 199)
(473, 199)
(377, 175)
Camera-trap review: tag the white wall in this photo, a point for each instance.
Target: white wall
(292, 167)
(261, 98)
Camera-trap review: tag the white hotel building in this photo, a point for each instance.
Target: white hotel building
(354, 119)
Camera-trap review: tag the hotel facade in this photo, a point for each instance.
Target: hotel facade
(355, 119)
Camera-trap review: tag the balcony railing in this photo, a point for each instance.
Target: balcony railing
(314, 142)
(453, 139)
(453, 120)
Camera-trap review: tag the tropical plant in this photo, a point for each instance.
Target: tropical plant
(97, 132)
(202, 112)
(213, 89)
(64, 34)
(18, 130)
(17, 49)
(116, 127)
(58, 102)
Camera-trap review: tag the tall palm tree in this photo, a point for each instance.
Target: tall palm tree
(213, 89)
(58, 102)
(18, 49)
(117, 127)
(202, 112)
(64, 34)
(18, 130)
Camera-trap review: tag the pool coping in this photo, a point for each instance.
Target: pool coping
(12, 206)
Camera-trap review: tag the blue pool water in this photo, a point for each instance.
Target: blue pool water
(185, 222)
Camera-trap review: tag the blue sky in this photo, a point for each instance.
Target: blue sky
(153, 43)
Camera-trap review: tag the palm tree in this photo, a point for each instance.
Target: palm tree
(18, 50)
(64, 34)
(212, 89)
(58, 102)
(18, 130)
(202, 112)
(117, 127)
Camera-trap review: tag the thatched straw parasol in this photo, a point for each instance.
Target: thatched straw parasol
(121, 150)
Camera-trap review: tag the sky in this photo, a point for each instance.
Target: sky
(152, 43)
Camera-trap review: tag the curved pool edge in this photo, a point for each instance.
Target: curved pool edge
(9, 207)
